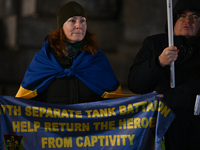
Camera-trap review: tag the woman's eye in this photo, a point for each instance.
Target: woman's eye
(82, 20)
(73, 21)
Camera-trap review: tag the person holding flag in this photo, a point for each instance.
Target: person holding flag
(70, 68)
(151, 72)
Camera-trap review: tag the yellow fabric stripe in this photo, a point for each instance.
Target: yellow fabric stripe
(24, 93)
(116, 94)
(27, 94)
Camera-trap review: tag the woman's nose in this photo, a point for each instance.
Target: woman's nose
(78, 24)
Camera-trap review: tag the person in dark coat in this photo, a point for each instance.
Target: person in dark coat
(70, 68)
(151, 72)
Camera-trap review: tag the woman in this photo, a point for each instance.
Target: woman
(70, 68)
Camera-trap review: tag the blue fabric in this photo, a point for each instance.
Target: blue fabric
(93, 70)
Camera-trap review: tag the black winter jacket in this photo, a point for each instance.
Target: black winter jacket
(146, 74)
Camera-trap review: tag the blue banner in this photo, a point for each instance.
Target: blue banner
(119, 124)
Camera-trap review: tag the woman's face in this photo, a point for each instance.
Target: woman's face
(75, 28)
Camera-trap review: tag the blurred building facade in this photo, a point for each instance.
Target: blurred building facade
(120, 27)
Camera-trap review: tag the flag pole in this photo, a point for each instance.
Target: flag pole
(170, 40)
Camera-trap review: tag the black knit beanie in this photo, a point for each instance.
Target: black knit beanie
(69, 10)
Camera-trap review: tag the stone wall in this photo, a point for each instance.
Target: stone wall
(120, 27)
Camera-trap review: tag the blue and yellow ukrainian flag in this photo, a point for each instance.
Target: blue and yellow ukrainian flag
(94, 71)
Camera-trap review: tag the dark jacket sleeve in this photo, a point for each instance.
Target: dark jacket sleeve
(146, 70)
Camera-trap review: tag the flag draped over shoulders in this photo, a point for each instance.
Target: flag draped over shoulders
(93, 70)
